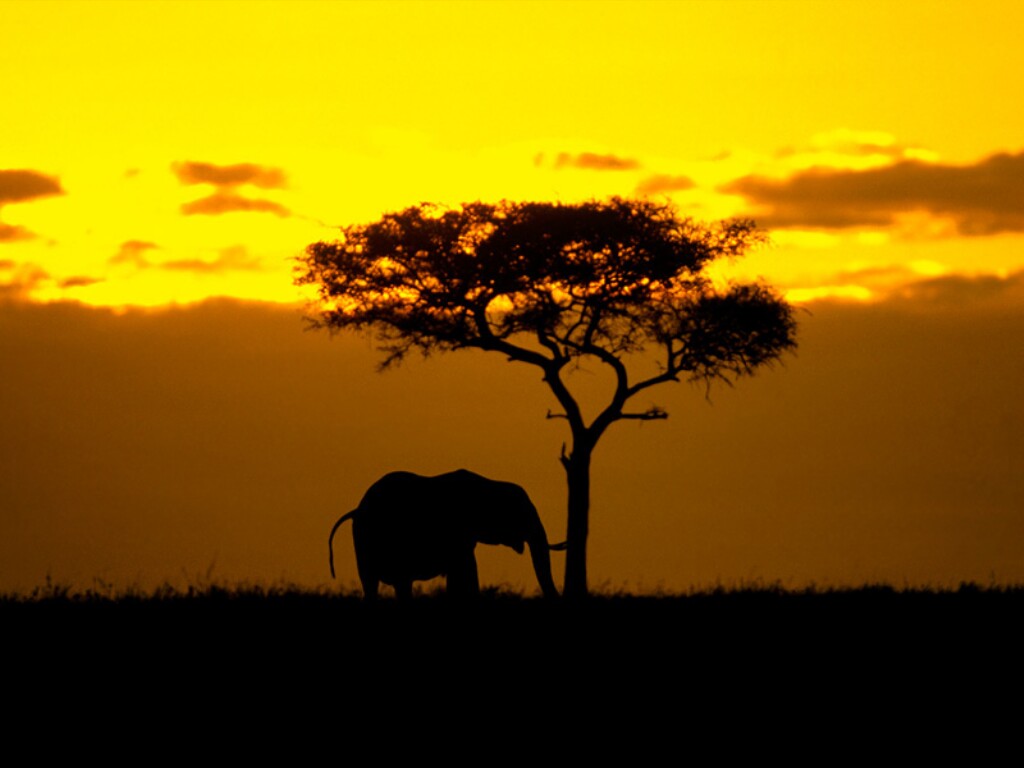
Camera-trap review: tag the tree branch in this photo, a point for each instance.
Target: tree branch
(548, 342)
(671, 374)
(654, 412)
(488, 341)
(613, 411)
(572, 409)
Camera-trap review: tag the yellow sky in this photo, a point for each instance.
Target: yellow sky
(341, 111)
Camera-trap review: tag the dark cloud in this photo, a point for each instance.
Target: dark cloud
(234, 258)
(25, 279)
(664, 182)
(79, 281)
(952, 291)
(981, 199)
(229, 175)
(228, 202)
(594, 162)
(132, 252)
(21, 185)
(9, 233)
(900, 286)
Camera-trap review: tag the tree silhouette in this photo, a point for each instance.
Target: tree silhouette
(548, 284)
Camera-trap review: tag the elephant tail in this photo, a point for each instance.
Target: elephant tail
(330, 540)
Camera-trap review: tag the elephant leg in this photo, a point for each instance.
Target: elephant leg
(370, 582)
(463, 580)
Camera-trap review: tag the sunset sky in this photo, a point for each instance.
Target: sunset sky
(161, 154)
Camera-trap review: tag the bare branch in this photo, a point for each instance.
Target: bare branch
(669, 375)
(548, 342)
(652, 413)
(564, 457)
(564, 397)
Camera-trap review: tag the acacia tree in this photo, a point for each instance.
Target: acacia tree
(547, 284)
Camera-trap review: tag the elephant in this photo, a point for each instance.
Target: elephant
(409, 527)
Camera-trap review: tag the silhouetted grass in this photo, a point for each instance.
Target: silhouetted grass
(101, 593)
(871, 605)
(721, 647)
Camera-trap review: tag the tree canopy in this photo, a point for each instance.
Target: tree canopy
(547, 284)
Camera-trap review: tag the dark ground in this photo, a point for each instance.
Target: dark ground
(760, 667)
(755, 627)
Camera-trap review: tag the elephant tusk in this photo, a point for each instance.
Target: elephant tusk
(559, 547)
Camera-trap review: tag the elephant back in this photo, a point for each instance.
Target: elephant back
(405, 528)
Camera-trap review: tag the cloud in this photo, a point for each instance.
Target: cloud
(190, 172)
(26, 278)
(951, 291)
(852, 150)
(593, 162)
(982, 199)
(849, 142)
(663, 182)
(911, 286)
(924, 285)
(79, 281)
(19, 186)
(9, 233)
(233, 258)
(131, 252)
(228, 202)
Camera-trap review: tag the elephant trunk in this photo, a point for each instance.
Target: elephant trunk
(541, 556)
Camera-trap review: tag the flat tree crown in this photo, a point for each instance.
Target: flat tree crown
(546, 283)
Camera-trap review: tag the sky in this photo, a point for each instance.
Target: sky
(157, 157)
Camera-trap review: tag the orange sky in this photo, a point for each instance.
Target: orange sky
(159, 154)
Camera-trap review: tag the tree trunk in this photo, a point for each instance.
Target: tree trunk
(577, 470)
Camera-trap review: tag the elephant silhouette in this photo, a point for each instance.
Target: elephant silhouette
(409, 527)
